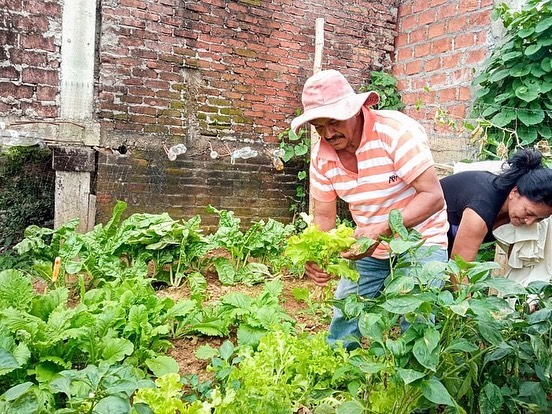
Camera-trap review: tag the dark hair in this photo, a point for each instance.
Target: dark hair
(525, 170)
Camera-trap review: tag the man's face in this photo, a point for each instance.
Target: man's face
(339, 134)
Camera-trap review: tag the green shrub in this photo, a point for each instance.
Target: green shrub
(26, 192)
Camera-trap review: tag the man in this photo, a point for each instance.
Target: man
(377, 161)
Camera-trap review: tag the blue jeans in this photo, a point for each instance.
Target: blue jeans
(373, 273)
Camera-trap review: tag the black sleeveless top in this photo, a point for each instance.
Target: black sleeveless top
(472, 189)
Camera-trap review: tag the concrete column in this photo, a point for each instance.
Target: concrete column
(73, 199)
(75, 166)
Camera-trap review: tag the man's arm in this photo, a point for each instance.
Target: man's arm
(429, 199)
(325, 214)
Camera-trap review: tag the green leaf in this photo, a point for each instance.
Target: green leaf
(112, 405)
(505, 286)
(402, 305)
(499, 75)
(497, 354)
(532, 49)
(527, 135)
(206, 352)
(543, 25)
(461, 345)
(526, 94)
(489, 333)
(530, 117)
(504, 117)
(161, 365)
(490, 399)
(400, 286)
(426, 349)
(546, 64)
(524, 33)
(520, 70)
(225, 271)
(409, 375)
(226, 350)
(117, 349)
(371, 326)
(17, 391)
(350, 407)
(7, 362)
(436, 392)
(397, 225)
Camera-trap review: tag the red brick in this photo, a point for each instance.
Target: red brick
(40, 76)
(418, 35)
(432, 64)
(447, 11)
(467, 6)
(477, 56)
(441, 45)
(421, 50)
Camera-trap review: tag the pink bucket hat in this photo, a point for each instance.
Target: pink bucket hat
(327, 94)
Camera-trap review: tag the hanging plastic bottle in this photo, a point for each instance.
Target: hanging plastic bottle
(278, 163)
(279, 153)
(14, 138)
(244, 153)
(176, 150)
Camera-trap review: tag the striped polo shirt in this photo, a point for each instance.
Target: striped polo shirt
(392, 153)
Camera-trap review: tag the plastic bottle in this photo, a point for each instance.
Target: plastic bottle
(13, 138)
(176, 150)
(244, 153)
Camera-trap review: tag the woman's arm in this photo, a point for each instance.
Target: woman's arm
(471, 233)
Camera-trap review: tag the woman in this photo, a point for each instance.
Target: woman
(478, 201)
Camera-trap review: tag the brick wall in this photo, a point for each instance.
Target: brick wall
(225, 74)
(440, 47)
(217, 74)
(29, 58)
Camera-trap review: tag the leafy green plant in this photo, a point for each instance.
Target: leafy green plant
(324, 248)
(26, 192)
(283, 374)
(250, 317)
(462, 349)
(166, 398)
(262, 242)
(514, 96)
(296, 148)
(322, 309)
(385, 85)
(119, 249)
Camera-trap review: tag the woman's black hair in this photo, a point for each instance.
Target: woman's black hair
(525, 170)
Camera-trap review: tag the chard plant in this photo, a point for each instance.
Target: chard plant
(250, 254)
(118, 250)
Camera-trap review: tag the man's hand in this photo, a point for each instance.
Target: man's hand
(371, 232)
(317, 275)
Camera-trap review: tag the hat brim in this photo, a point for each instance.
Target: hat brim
(341, 110)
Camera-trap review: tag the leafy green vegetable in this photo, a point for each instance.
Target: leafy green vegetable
(323, 248)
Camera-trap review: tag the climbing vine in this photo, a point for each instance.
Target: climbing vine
(513, 105)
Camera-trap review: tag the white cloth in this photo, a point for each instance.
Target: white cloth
(530, 251)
